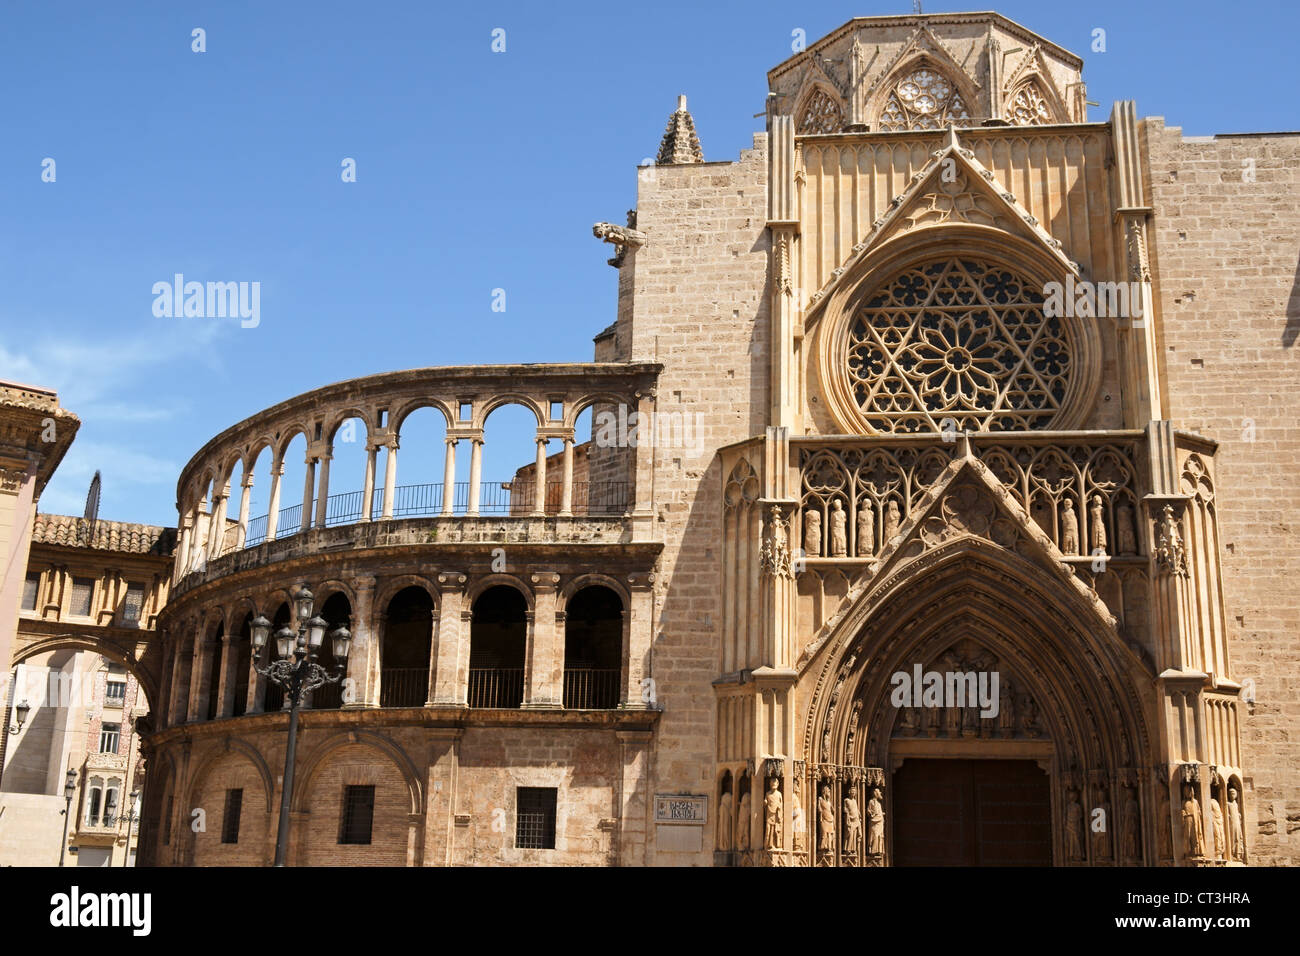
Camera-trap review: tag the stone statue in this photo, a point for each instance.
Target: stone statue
(1029, 718)
(776, 549)
(772, 804)
(875, 824)
(1235, 830)
(1074, 828)
(1006, 710)
(1101, 830)
(839, 530)
(852, 826)
(812, 533)
(826, 821)
(724, 821)
(1193, 827)
(1096, 527)
(892, 520)
(1124, 530)
(743, 824)
(1069, 529)
(1131, 845)
(866, 529)
(796, 820)
(1220, 837)
(907, 721)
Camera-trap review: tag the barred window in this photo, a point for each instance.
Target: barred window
(82, 590)
(535, 818)
(134, 603)
(115, 692)
(230, 820)
(358, 814)
(108, 738)
(31, 590)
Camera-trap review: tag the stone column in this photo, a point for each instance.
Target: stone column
(273, 509)
(643, 466)
(390, 477)
(633, 796)
(566, 493)
(361, 683)
(308, 486)
(544, 666)
(229, 658)
(217, 524)
(638, 636)
(440, 790)
(192, 703)
(449, 478)
(475, 476)
(245, 499)
(323, 492)
(368, 485)
(539, 495)
(451, 672)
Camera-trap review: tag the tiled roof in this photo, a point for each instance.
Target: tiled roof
(73, 532)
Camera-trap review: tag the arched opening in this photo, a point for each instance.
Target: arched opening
(259, 492)
(421, 458)
(603, 459)
(294, 490)
(337, 610)
(347, 473)
(498, 637)
(243, 665)
(274, 698)
(510, 462)
(406, 649)
(593, 649)
(212, 654)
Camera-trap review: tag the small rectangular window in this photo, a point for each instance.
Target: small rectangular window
(82, 590)
(358, 814)
(557, 410)
(133, 604)
(108, 738)
(466, 411)
(92, 807)
(535, 818)
(31, 590)
(110, 807)
(115, 692)
(230, 821)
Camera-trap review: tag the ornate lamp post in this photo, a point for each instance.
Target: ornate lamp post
(69, 789)
(297, 672)
(131, 813)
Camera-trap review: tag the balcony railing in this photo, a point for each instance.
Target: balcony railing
(403, 686)
(590, 688)
(496, 686)
(514, 498)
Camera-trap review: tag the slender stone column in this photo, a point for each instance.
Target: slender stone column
(368, 486)
(545, 664)
(539, 496)
(273, 509)
(451, 670)
(226, 687)
(475, 476)
(362, 690)
(308, 486)
(566, 493)
(245, 500)
(636, 649)
(217, 526)
(449, 478)
(390, 477)
(323, 492)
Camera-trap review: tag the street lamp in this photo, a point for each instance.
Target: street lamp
(132, 812)
(69, 789)
(297, 672)
(21, 712)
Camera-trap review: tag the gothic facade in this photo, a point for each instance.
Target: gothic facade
(962, 563)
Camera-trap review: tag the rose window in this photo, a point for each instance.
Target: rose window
(923, 99)
(957, 340)
(821, 114)
(1029, 107)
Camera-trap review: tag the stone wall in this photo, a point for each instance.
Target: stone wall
(1226, 260)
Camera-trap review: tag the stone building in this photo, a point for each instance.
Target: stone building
(922, 519)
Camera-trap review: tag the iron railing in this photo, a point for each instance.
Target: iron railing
(590, 688)
(496, 686)
(403, 686)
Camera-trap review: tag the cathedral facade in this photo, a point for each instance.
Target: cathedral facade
(978, 553)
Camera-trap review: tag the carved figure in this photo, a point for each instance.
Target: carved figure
(826, 821)
(1220, 837)
(1235, 830)
(724, 821)
(772, 821)
(1096, 527)
(1193, 826)
(866, 530)
(1125, 532)
(852, 825)
(796, 820)
(1101, 829)
(1006, 709)
(892, 520)
(1131, 845)
(1074, 828)
(839, 530)
(743, 824)
(1069, 529)
(875, 824)
(812, 533)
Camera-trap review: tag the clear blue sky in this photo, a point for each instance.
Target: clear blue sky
(475, 171)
